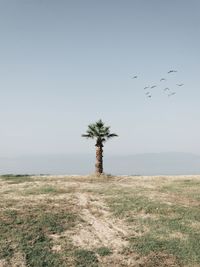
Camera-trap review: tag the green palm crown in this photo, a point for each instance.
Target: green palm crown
(100, 132)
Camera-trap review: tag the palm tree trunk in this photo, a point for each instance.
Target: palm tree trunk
(99, 160)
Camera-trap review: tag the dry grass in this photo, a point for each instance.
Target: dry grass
(99, 221)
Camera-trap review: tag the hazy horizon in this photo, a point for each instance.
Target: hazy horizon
(170, 163)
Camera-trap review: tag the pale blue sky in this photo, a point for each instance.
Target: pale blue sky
(65, 64)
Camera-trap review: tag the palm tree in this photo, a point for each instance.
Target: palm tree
(101, 133)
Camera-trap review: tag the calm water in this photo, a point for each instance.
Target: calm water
(143, 164)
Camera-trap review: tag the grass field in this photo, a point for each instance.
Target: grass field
(59, 221)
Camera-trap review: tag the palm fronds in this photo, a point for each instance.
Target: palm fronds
(99, 131)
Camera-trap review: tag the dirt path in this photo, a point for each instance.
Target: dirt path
(99, 229)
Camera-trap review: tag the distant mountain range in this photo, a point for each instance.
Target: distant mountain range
(139, 164)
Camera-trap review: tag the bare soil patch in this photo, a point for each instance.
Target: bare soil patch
(99, 228)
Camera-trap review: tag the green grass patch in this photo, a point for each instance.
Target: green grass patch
(166, 228)
(28, 231)
(16, 179)
(185, 251)
(124, 203)
(85, 258)
(187, 188)
(104, 251)
(45, 190)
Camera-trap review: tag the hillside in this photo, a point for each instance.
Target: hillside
(108, 221)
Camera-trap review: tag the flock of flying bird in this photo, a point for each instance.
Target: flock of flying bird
(166, 89)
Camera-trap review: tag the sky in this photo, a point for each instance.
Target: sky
(65, 64)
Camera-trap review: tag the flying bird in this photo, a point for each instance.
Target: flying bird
(134, 77)
(173, 93)
(147, 93)
(153, 86)
(146, 87)
(166, 89)
(162, 79)
(149, 96)
(171, 71)
(180, 84)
